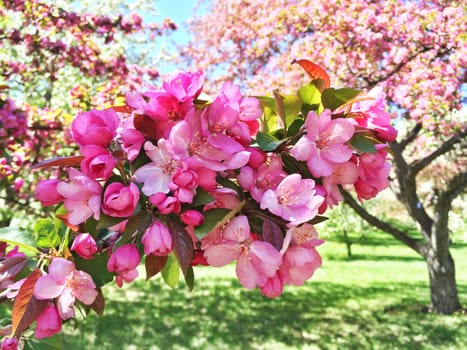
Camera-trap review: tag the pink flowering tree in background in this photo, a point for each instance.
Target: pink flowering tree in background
(175, 178)
(55, 61)
(411, 51)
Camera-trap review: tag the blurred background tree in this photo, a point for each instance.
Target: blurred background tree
(59, 58)
(413, 50)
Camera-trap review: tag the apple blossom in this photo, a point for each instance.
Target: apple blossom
(84, 245)
(120, 200)
(123, 262)
(48, 323)
(65, 282)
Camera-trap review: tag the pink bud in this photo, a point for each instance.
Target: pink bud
(10, 344)
(120, 200)
(169, 205)
(185, 178)
(46, 193)
(48, 323)
(192, 218)
(257, 157)
(84, 245)
(157, 240)
(124, 262)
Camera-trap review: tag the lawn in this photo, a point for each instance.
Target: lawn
(377, 300)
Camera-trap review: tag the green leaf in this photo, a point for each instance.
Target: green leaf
(266, 142)
(271, 121)
(46, 235)
(310, 94)
(107, 221)
(171, 271)
(288, 107)
(334, 98)
(52, 343)
(211, 218)
(190, 279)
(363, 144)
(96, 267)
(295, 127)
(202, 197)
(228, 183)
(24, 239)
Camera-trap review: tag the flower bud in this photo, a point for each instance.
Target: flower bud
(157, 240)
(46, 193)
(84, 245)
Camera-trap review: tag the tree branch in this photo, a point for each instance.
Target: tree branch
(419, 165)
(382, 225)
(411, 136)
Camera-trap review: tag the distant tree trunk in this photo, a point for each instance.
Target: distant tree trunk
(348, 243)
(433, 245)
(443, 289)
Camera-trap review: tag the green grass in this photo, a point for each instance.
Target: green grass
(377, 300)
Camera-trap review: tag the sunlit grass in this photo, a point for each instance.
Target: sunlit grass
(377, 300)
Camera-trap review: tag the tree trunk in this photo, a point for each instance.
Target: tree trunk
(444, 297)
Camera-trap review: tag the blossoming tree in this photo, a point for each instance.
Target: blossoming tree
(54, 62)
(412, 50)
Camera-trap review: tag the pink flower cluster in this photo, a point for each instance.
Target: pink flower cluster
(176, 174)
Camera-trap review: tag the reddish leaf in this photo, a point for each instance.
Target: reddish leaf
(154, 265)
(99, 303)
(272, 233)
(314, 71)
(4, 87)
(183, 245)
(317, 219)
(121, 109)
(26, 307)
(64, 218)
(146, 125)
(9, 267)
(60, 161)
(4, 331)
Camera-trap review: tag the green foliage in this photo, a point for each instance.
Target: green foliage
(334, 98)
(171, 271)
(96, 267)
(211, 219)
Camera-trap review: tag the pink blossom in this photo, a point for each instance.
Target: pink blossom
(294, 200)
(98, 162)
(373, 116)
(184, 85)
(10, 344)
(373, 171)
(84, 245)
(256, 260)
(95, 127)
(82, 197)
(124, 261)
(48, 323)
(192, 218)
(273, 286)
(120, 200)
(300, 258)
(66, 283)
(47, 194)
(342, 174)
(132, 139)
(267, 177)
(324, 143)
(157, 239)
(157, 175)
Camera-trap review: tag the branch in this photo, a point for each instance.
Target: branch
(411, 136)
(398, 68)
(419, 165)
(382, 225)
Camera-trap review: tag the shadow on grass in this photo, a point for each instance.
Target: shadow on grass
(218, 314)
(371, 257)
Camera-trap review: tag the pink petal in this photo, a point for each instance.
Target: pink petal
(237, 230)
(61, 269)
(247, 274)
(47, 288)
(220, 254)
(65, 304)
